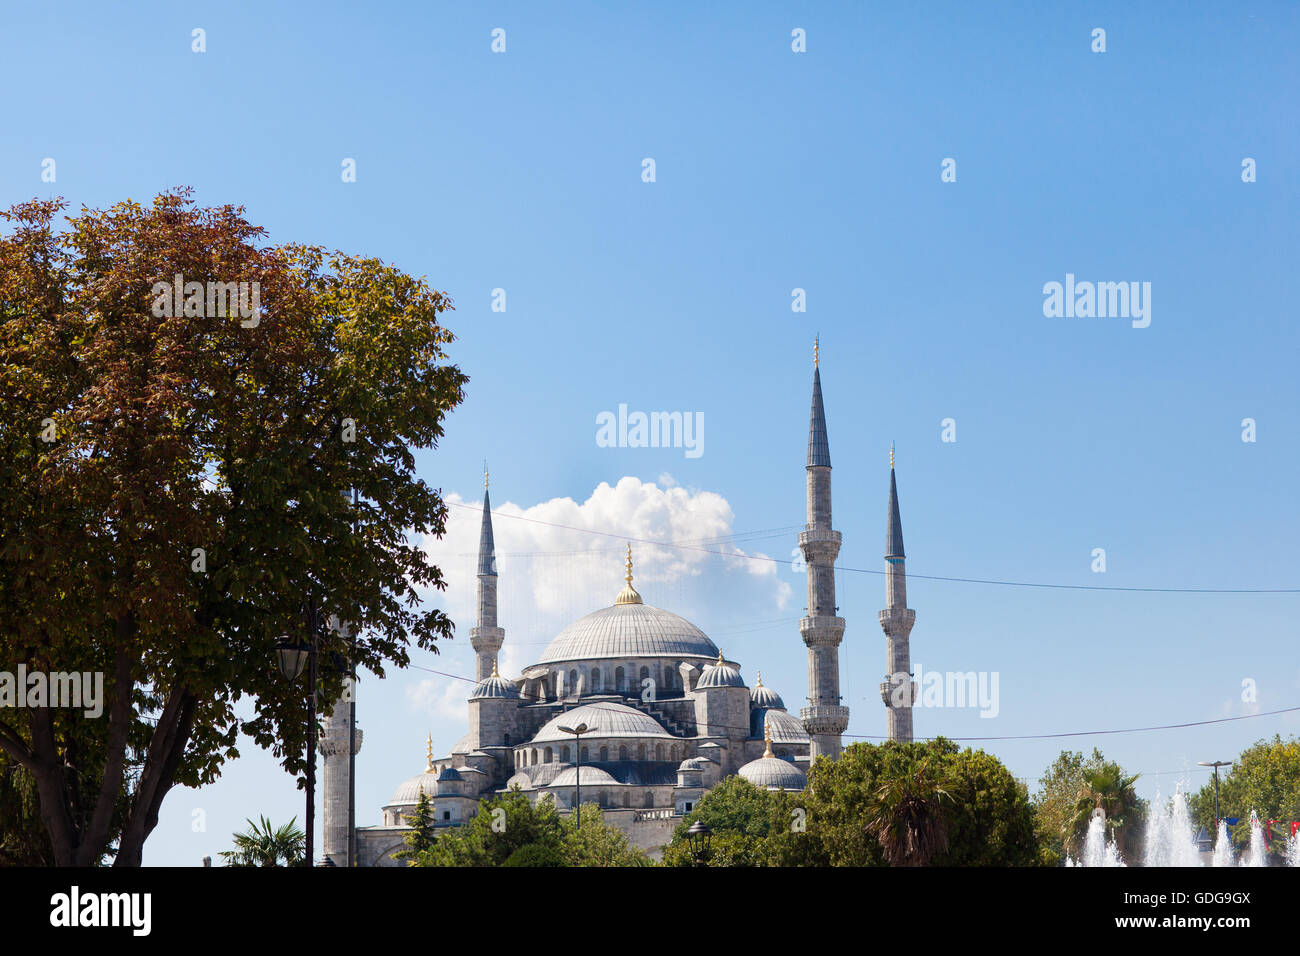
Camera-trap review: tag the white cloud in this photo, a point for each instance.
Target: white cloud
(554, 567)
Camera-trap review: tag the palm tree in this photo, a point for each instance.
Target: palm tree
(263, 845)
(1105, 788)
(905, 816)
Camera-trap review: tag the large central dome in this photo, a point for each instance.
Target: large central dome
(629, 631)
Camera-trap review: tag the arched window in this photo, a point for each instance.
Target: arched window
(549, 754)
(627, 798)
(645, 672)
(534, 756)
(507, 740)
(675, 753)
(573, 682)
(564, 754)
(620, 679)
(604, 753)
(555, 684)
(668, 676)
(649, 799)
(595, 680)
(584, 754)
(622, 753)
(640, 752)
(659, 752)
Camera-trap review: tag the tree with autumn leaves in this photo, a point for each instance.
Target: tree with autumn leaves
(175, 489)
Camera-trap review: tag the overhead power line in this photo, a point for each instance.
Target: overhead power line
(1072, 733)
(912, 575)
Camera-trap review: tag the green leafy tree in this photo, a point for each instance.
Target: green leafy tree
(175, 489)
(742, 818)
(1265, 778)
(1109, 789)
(905, 816)
(421, 836)
(265, 845)
(510, 830)
(988, 820)
(597, 843)
(502, 826)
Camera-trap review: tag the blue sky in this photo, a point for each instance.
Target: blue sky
(775, 171)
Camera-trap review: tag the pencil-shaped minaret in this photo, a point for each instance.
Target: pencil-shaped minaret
(487, 638)
(824, 719)
(898, 690)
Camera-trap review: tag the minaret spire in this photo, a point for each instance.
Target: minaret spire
(486, 638)
(898, 691)
(825, 719)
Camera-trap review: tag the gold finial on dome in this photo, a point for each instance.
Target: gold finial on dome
(758, 679)
(485, 474)
(629, 594)
(428, 762)
(494, 668)
(720, 660)
(891, 456)
(767, 738)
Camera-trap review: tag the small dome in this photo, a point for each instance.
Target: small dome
(694, 763)
(520, 780)
(450, 773)
(494, 686)
(408, 794)
(773, 773)
(720, 674)
(591, 777)
(764, 696)
(785, 728)
(608, 720)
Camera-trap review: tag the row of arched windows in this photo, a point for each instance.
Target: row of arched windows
(596, 680)
(535, 755)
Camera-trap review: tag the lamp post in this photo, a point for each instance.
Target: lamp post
(291, 655)
(698, 834)
(577, 773)
(1216, 764)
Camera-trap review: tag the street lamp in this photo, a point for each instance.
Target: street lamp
(577, 773)
(698, 836)
(1216, 764)
(290, 657)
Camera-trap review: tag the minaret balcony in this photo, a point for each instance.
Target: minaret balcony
(822, 629)
(820, 537)
(897, 620)
(825, 718)
(889, 695)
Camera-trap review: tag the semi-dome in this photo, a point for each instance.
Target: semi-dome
(609, 720)
(591, 777)
(629, 630)
(773, 773)
(408, 793)
(720, 674)
(764, 696)
(494, 686)
(785, 728)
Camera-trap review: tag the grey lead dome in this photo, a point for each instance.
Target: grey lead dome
(629, 631)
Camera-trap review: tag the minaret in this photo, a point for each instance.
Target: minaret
(340, 740)
(825, 719)
(486, 639)
(898, 690)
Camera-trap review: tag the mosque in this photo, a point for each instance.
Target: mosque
(636, 705)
